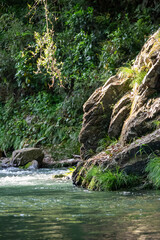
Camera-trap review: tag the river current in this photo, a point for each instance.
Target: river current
(34, 205)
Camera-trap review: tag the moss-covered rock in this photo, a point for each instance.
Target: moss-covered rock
(126, 107)
(31, 165)
(23, 156)
(131, 159)
(59, 176)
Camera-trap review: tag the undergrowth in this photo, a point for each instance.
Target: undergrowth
(135, 76)
(105, 142)
(38, 120)
(153, 170)
(99, 179)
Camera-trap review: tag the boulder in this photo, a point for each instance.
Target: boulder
(121, 109)
(97, 113)
(127, 108)
(145, 109)
(23, 156)
(142, 121)
(132, 158)
(119, 115)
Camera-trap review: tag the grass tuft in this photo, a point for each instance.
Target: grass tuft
(153, 170)
(99, 179)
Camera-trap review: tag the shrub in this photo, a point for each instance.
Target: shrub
(124, 41)
(38, 120)
(153, 170)
(14, 36)
(136, 76)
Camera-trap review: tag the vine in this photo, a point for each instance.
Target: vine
(45, 47)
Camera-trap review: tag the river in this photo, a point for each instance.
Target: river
(34, 205)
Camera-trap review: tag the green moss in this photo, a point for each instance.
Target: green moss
(59, 176)
(155, 47)
(156, 123)
(79, 179)
(26, 166)
(93, 184)
(158, 35)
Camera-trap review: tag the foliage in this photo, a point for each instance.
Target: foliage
(127, 72)
(76, 47)
(153, 170)
(37, 120)
(110, 180)
(25, 67)
(105, 142)
(91, 41)
(43, 51)
(124, 42)
(136, 76)
(14, 36)
(45, 48)
(156, 123)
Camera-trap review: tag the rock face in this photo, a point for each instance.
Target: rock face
(128, 105)
(132, 158)
(97, 113)
(127, 108)
(120, 113)
(23, 156)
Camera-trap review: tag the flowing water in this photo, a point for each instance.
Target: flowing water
(35, 206)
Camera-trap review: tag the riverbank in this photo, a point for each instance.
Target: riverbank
(34, 158)
(125, 112)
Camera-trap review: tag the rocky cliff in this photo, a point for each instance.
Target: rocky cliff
(126, 108)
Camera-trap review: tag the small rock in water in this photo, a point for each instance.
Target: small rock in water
(59, 176)
(33, 165)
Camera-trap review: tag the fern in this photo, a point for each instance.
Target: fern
(139, 77)
(126, 72)
(153, 169)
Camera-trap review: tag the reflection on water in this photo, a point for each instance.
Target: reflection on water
(33, 205)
